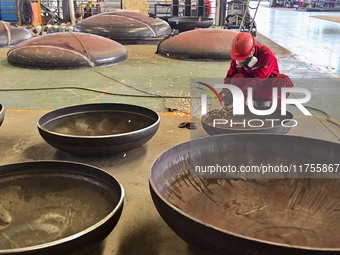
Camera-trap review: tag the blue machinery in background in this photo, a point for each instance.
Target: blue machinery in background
(9, 10)
(239, 16)
(22, 12)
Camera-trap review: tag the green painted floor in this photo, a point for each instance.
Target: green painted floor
(151, 73)
(143, 70)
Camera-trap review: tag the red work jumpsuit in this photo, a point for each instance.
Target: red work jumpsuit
(207, 2)
(266, 67)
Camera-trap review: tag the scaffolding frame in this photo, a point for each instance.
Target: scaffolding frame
(240, 17)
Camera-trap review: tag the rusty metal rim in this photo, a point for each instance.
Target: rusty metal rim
(79, 234)
(185, 146)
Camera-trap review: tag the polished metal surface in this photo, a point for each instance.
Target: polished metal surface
(189, 23)
(125, 26)
(263, 216)
(201, 44)
(214, 44)
(56, 207)
(11, 35)
(258, 124)
(67, 50)
(98, 129)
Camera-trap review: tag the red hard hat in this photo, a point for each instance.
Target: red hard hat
(242, 45)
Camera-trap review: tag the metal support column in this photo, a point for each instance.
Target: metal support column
(174, 7)
(200, 8)
(220, 15)
(187, 8)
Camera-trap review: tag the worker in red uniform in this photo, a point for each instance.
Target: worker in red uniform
(256, 62)
(208, 5)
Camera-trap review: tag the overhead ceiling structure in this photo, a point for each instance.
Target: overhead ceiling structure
(11, 35)
(207, 44)
(67, 50)
(125, 26)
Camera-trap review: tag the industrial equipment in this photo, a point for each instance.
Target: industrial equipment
(277, 3)
(202, 44)
(240, 17)
(67, 50)
(23, 12)
(98, 129)
(58, 208)
(12, 34)
(187, 23)
(89, 9)
(221, 215)
(125, 27)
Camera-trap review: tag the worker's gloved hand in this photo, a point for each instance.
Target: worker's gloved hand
(226, 97)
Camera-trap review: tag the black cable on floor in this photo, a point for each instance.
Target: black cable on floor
(146, 93)
(170, 109)
(101, 92)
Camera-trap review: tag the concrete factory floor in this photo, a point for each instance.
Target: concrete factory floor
(140, 229)
(311, 36)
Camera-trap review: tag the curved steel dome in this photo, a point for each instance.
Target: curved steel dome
(67, 50)
(208, 44)
(11, 35)
(126, 26)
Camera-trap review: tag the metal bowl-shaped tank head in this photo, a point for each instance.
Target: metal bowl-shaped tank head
(2, 114)
(165, 18)
(12, 35)
(199, 44)
(125, 26)
(55, 207)
(189, 23)
(98, 129)
(274, 123)
(67, 50)
(265, 216)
